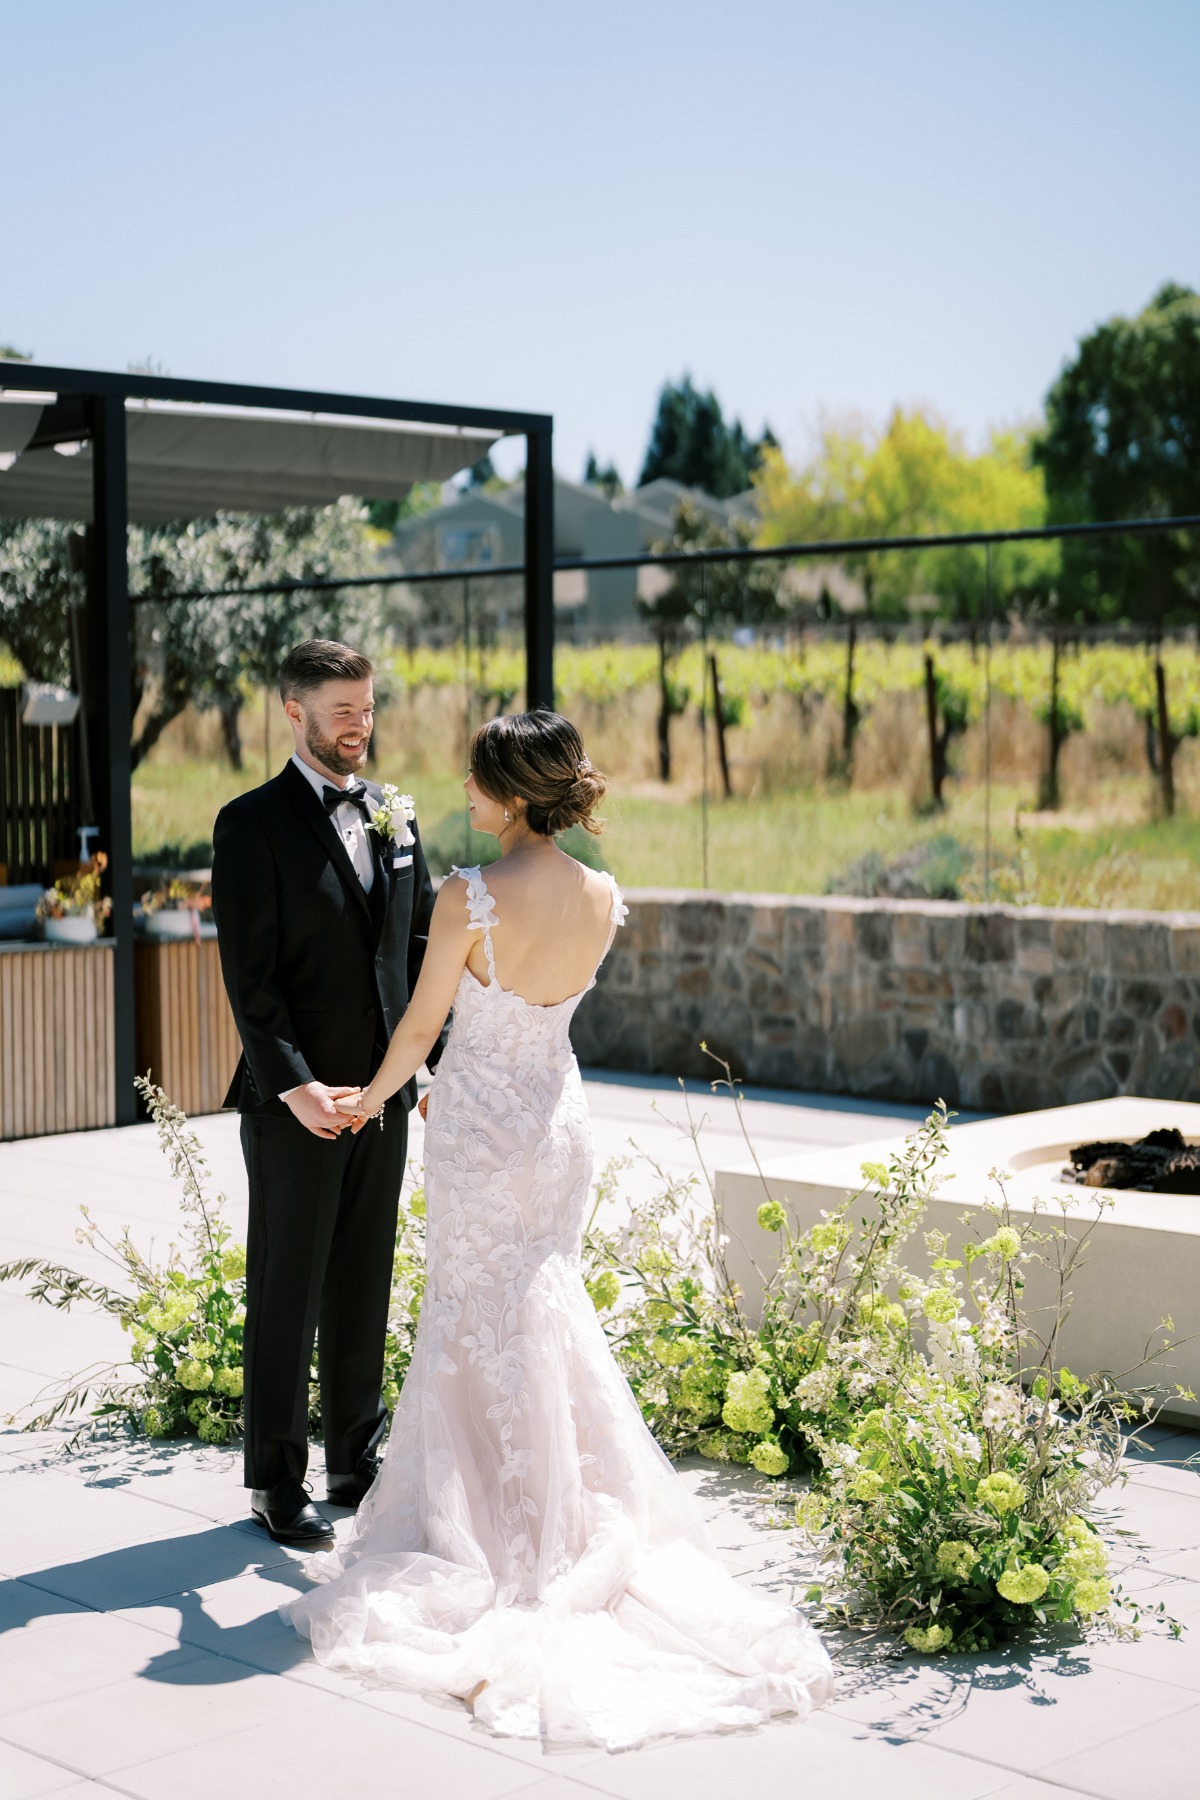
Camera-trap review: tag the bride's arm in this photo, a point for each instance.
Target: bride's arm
(419, 1029)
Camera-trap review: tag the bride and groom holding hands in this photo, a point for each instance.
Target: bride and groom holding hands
(523, 1546)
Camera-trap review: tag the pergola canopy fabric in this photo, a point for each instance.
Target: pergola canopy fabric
(187, 460)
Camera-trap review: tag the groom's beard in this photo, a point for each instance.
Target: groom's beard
(331, 755)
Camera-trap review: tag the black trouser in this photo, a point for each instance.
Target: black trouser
(319, 1255)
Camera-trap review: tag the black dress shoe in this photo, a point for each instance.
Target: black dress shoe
(349, 1490)
(288, 1514)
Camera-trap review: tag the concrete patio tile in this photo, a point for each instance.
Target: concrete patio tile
(1171, 1473)
(1016, 1711)
(188, 1477)
(818, 1757)
(184, 1700)
(24, 1776)
(1155, 1515)
(328, 1747)
(454, 1722)
(136, 1573)
(44, 1516)
(61, 1654)
(1151, 1762)
(237, 1619)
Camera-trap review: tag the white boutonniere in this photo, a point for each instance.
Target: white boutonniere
(393, 817)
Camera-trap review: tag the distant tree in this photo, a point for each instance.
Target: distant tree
(691, 442)
(913, 478)
(481, 473)
(209, 652)
(736, 593)
(1122, 441)
(385, 515)
(7, 351)
(607, 479)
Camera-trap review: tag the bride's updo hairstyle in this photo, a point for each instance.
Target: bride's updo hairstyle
(538, 757)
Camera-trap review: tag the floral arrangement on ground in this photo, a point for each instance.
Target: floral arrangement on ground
(953, 1468)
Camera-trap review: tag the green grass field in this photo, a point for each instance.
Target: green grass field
(785, 843)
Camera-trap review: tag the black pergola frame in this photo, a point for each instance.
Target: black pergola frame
(91, 405)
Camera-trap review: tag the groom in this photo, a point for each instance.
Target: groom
(322, 926)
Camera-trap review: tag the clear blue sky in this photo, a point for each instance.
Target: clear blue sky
(554, 206)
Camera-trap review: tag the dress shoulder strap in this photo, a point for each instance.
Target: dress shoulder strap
(481, 911)
(618, 913)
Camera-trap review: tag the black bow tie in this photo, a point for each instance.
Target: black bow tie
(333, 797)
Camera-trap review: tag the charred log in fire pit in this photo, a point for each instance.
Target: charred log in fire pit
(1160, 1163)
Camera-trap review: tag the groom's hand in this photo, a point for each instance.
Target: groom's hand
(313, 1105)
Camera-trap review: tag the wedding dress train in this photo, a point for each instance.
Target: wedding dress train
(525, 1530)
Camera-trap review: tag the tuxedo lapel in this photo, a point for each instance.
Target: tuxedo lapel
(325, 831)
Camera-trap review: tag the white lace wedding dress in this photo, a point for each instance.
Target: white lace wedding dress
(525, 1530)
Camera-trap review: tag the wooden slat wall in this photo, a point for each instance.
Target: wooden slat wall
(185, 1031)
(56, 1040)
(40, 793)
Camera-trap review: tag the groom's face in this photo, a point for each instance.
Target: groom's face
(334, 723)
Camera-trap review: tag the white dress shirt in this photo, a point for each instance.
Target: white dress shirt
(350, 826)
(348, 822)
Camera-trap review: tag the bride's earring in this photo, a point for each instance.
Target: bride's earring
(507, 816)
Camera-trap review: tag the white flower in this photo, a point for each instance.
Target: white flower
(393, 817)
(1001, 1406)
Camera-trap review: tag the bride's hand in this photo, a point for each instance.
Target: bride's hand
(350, 1103)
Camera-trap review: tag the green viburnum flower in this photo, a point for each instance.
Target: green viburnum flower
(769, 1458)
(1085, 1554)
(416, 1205)
(747, 1406)
(878, 1313)
(142, 1340)
(1091, 1595)
(1005, 1242)
(868, 1484)
(391, 1395)
(716, 1444)
(831, 1234)
(605, 1290)
(231, 1382)
(153, 1423)
(201, 1350)
(193, 1374)
(928, 1638)
(672, 1353)
(771, 1216)
(875, 1173)
(1002, 1492)
(197, 1410)
(940, 1306)
(1024, 1587)
(233, 1262)
(955, 1560)
(661, 1312)
(700, 1390)
(212, 1430)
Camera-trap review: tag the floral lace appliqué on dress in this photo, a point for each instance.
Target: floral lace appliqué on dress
(526, 1531)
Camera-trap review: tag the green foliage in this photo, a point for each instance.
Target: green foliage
(1120, 442)
(915, 477)
(185, 1314)
(956, 1465)
(691, 442)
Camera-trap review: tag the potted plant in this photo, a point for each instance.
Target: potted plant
(73, 910)
(175, 909)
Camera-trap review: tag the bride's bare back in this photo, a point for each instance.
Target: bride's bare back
(554, 918)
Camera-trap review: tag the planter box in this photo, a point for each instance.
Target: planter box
(56, 1039)
(185, 1031)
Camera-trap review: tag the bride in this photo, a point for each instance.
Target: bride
(527, 1548)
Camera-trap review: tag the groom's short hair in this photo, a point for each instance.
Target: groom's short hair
(318, 660)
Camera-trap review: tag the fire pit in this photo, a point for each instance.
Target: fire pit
(1162, 1162)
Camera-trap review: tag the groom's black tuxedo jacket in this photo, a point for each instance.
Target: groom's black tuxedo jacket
(317, 971)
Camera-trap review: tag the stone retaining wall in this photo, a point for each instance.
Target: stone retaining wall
(1002, 1008)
